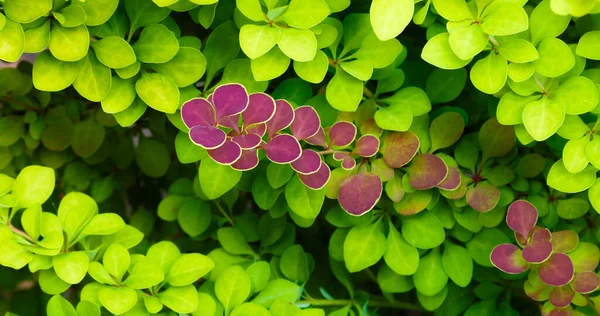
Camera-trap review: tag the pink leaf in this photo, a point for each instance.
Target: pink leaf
(227, 154)
(207, 137)
(483, 197)
(230, 99)
(426, 171)
(283, 148)
(367, 146)
(231, 122)
(198, 111)
(452, 181)
(585, 282)
(261, 108)
(537, 251)
(247, 141)
(248, 160)
(308, 163)
(561, 296)
(318, 139)
(557, 270)
(342, 134)
(306, 122)
(521, 217)
(507, 257)
(258, 129)
(399, 148)
(283, 117)
(317, 180)
(348, 163)
(359, 193)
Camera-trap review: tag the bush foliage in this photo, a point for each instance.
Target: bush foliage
(301, 157)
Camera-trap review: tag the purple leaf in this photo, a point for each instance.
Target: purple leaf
(317, 180)
(521, 217)
(507, 258)
(585, 282)
(248, 160)
(399, 148)
(561, 296)
(342, 134)
(367, 146)
(340, 155)
(318, 139)
(483, 197)
(261, 108)
(283, 117)
(452, 181)
(557, 270)
(359, 193)
(258, 129)
(308, 163)
(227, 154)
(247, 141)
(283, 148)
(230, 99)
(541, 234)
(426, 171)
(564, 241)
(207, 137)
(198, 111)
(306, 122)
(231, 122)
(348, 163)
(537, 251)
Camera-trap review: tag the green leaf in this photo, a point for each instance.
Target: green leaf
(364, 246)
(511, 106)
(257, 40)
(380, 53)
(430, 277)
(574, 8)
(188, 268)
(156, 44)
(120, 97)
(445, 130)
(31, 220)
(144, 13)
(116, 260)
(504, 18)
(88, 308)
(395, 117)
(152, 157)
(544, 23)
(12, 41)
(37, 38)
(187, 67)
(556, 58)
(594, 195)
(270, 65)
(424, 230)
(188, 152)
(489, 74)
(520, 72)
(277, 289)
(222, 46)
(588, 45)
(94, 79)
(578, 94)
(389, 18)
(482, 244)
(240, 71)
(132, 113)
(253, 309)
(299, 45)
(145, 274)
(71, 16)
(344, 92)
(517, 50)
(561, 179)
(233, 287)
(304, 14)
(233, 241)
(33, 185)
(294, 264)
(114, 52)
(251, 9)
(87, 138)
(543, 117)
(358, 68)
(574, 154)
(158, 91)
(216, 179)
(51, 74)
(313, 71)
(183, 300)
(117, 300)
(129, 71)
(58, 306)
(71, 267)
(97, 11)
(69, 44)
(412, 98)
(453, 10)
(496, 140)
(438, 52)
(400, 256)
(12, 254)
(467, 40)
(25, 11)
(392, 282)
(592, 152)
(260, 273)
(458, 264)
(302, 200)
(431, 303)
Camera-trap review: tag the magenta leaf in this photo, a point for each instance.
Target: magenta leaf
(399, 148)
(585, 282)
(207, 137)
(557, 270)
(247, 141)
(258, 129)
(426, 171)
(521, 217)
(541, 234)
(564, 241)
(283, 117)
(227, 154)
(308, 163)
(507, 258)
(261, 108)
(340, 155)
(348, 163)
(483, 197)
(248, 160)
(318, 139)
(198, 111)
(230, 99)
(359, 193)
(537, 251)
(452, 181)
(342, 134)
(283, 148)
(317, 180)
(231, 122)
(561, 296)
(306, 122)
(367, 146)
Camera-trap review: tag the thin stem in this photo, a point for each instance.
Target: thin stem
(372, 303)
(20, 233)
(367, 92)
(539, 83)
(325, 152)
(494, 41)
(224, 213)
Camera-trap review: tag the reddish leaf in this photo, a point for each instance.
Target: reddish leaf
(318, 180)
(198, 111)
(340, 155)
(318, 139)
(283, 117)
(306, 122)
(452, 181)
(367, 146)
(507, 257)
(342, 134)
(399, 148)
(557, 270)
(348, 163)
(283, 148)
(585, 282)
(227, 154)
(207, 137)
(231, 122)
(248, 160)
(561, 296)
(261, 108)
(537, 251)
(521, 217)
(522, 241)
(550, 310)
(369, 126)
(359, 193)
(564, 241)
(308, 163)
(247, 141)
(426, 171)
(483, 197)
(541, 234)
(258, 129)
(230, 99)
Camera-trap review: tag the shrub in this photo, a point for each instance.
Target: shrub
(302, 157)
